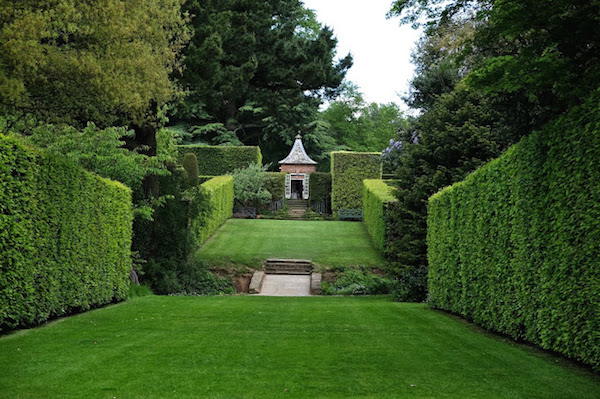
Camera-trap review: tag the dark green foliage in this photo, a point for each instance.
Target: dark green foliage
(320, 188)
(348, 170)
(516, 246)
(275, 184)
(453, 138)
(65, 237)
(190, 164)
(357, 281)
(189, 277)
(256, 72)
(216, 161)
(409, 283)
(182, 225)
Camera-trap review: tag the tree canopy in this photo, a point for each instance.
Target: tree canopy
(74, 62)
(256, 72)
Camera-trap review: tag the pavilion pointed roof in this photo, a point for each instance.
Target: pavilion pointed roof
(297, 155)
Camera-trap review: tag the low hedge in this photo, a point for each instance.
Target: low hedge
(377, 198)
(216, 161)
(275, 184)
(516, 246)
(65, 237)
(348, 170)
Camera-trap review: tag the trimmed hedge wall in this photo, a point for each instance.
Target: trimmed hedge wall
(213, 207)
(377, 198)
(65, 237)
(516, 246)
(275, 184)
(348, 170)
(217, 161)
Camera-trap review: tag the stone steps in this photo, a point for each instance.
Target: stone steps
(287, 266)
(297, 208)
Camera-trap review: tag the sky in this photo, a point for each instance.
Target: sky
(381, 48)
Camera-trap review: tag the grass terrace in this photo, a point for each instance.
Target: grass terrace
(326, 243)
(258, 347)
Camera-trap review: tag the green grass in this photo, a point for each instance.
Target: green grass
(326, 243)
(258, 347)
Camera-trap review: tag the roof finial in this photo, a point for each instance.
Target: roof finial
(298, 136)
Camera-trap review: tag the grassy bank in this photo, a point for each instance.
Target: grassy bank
(326, 243)
(233, 347)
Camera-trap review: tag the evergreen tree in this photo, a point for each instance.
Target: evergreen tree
(256, 72)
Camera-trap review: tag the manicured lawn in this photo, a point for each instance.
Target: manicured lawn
(327, 243)
(258, 347)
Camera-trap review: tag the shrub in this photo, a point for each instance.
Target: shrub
(357, 281)
(249, 186)
(409, 283)
(348, 170)
(65, 237)
(275, 184)
(377, 197)
(216, 161)
(516, 246)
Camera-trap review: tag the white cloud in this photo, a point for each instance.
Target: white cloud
(381, 48)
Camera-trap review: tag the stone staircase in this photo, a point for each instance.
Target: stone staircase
(288, 266)
(297, 208)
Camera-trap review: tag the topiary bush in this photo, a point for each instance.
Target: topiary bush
(65, 237)
(378, 196)
(190, 164)
(516, 246)
(348, 170)
(216, 161)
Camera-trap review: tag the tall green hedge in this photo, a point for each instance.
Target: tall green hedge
(348, 170)
(275, 184)
(516, 246)
(377, 198)
(65, 237)
(217, 161)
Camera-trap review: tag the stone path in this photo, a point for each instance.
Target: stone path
(285, 285)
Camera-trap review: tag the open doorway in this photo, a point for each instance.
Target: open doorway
(297, 189)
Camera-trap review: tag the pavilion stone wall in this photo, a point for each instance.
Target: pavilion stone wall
(299, 168)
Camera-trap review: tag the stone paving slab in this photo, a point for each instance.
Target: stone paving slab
(285, 285)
